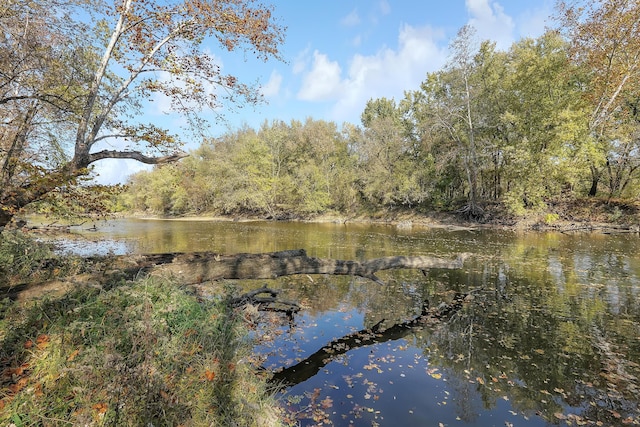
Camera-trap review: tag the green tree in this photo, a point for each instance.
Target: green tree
(393, 175)
(604, 40)
(446, 108)
(136, 50)
(542, 122)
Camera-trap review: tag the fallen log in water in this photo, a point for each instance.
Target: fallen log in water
(198, 267)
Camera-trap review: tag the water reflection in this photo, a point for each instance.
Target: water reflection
(552, 338)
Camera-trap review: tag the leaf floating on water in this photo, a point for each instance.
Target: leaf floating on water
(326, 403)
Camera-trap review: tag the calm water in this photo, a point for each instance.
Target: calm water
(552, 336)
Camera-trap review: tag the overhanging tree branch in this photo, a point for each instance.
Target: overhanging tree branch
(135, 155)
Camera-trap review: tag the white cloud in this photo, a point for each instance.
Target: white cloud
(384, 6)
(491, 22)
(356, 41)
(322, 82)
(351, 20)
(272, 87)
(389, 72)
(301, 60)
(116, 171)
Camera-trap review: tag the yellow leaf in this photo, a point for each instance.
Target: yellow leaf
(73, 356)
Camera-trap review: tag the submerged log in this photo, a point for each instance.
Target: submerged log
(198, 267)
(266, 303)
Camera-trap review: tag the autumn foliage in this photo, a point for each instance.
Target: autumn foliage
(75, 76)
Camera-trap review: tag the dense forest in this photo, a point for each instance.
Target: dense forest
(551, 118)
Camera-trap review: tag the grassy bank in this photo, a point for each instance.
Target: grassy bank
(147, 352)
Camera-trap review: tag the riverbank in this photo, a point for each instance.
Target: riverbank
(80, 344)
(577, 215)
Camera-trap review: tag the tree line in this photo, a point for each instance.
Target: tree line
(551, 117)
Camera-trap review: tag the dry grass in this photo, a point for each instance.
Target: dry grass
(144, 353)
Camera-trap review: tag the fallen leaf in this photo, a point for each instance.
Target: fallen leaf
(326, 403)
(101, 408)
(73, 356)
(209, 375)
(15, 388)
(42, 341)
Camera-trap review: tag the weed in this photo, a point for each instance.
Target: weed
(551, 218)
(20, 255)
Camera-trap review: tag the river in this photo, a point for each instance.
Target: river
(550, 337)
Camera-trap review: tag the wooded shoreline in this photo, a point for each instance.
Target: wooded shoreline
(628, 223)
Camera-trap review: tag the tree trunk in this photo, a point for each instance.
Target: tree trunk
(595, 179)
(198, 267)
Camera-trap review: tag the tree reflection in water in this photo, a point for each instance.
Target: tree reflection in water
(521, 350)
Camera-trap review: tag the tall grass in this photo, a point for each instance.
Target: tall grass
(143, 353)
(21, 256)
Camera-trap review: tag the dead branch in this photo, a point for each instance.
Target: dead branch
(266, 303)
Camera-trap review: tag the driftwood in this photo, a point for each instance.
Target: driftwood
(266, 303)
(310, 366)
(199, 267)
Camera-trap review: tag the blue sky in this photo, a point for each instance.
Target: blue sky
(339, 54)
